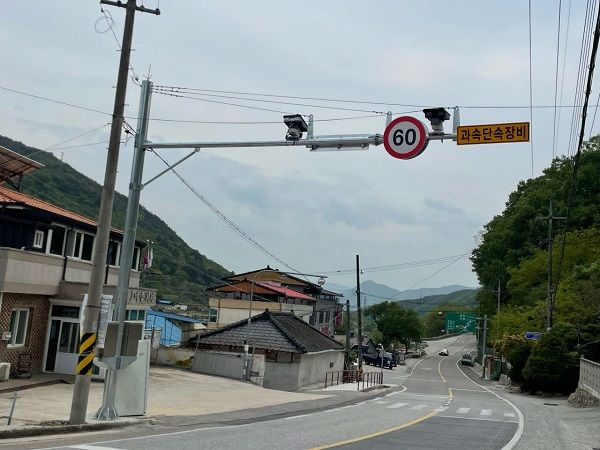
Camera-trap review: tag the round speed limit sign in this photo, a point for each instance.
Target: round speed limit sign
(405, 137)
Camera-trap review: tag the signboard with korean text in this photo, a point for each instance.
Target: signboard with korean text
(533, 335)
(460, 321)
(493, 133)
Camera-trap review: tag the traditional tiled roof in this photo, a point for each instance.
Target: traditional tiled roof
(245, 286)
(275, 331)
(10, 197)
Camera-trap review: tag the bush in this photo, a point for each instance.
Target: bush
(550, 366)
(517, 359)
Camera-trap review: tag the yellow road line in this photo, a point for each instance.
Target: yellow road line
(378, 433)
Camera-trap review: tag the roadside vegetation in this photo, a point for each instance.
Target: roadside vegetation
(513, 251)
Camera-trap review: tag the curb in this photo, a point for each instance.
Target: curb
(42, 430)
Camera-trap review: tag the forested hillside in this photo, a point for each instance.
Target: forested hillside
(178, 272)
(514, 252)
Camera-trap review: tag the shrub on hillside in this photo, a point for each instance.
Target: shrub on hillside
(550, 366)
(517, 359)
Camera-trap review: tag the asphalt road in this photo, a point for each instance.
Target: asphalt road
(434, 406)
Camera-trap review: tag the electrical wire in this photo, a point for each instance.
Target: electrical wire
(224, 218)
(60, 102)
(410, 264)
(556, 80)
(530, 91)
(278, 102)
(54, 147)
(564, 65)
(577, 157)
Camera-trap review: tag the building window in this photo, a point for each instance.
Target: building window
(56, 240)
(136, 258)
(65, 311)
(38, 239)
(69, 337)
(114, 250)
(213, 315)
(136, 314)
(18, 327)
(84, 245)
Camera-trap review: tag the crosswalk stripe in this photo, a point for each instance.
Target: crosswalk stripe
(91, 447)
(463, 410)
(485, 412)
(509, 414)
(441, 409)
(418, 407)
(398, 405)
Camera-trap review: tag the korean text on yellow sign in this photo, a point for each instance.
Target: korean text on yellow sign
(493, 133)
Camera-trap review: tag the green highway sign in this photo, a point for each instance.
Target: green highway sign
(460, 321)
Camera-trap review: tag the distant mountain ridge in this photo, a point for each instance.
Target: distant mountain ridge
(377, 292)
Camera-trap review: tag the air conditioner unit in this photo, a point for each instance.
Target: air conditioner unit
(6, 335)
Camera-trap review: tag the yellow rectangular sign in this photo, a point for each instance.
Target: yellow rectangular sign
(493, 133)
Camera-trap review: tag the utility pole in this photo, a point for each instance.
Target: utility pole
(550, 293)
(92, 308)
(359, 314)
(484, 343)
(347, 334)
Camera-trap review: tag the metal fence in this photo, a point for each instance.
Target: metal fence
(589, 376)
(363, 380)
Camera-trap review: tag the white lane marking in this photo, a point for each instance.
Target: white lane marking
(91, 447)
(424, 379)
(424, 395)
(509, 415)
(476, 418)
(441, 409)
(398, 405)
(285, 418)
(380, 402)
(521, 425)
(418, 407)
(463, 410)
(485, 412)
(469, 390)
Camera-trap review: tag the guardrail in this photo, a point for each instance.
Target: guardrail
(589, 377)
(363, 380)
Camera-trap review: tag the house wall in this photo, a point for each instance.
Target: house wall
(37, 324)
(314, 366)
(280, 375)
(231, 310)
(29, 272)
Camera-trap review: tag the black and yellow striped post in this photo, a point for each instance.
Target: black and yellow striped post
(85, 363)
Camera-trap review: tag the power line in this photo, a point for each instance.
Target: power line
(530, 91)
(564, 65)
(224, 218)
(556, 80)
(576, 158)
(60, 102)
(278, 102)
(403, 265)
(54, 147)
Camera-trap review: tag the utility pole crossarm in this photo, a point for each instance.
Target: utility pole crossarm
(141, 8)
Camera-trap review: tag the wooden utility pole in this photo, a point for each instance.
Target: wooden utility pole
(550, 290)
(359, 314)
(348, 334)
(91, 310)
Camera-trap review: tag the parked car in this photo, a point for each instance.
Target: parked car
(466, 360)
(375, 360)
(444, 352)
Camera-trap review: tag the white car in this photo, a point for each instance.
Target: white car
(444, 352)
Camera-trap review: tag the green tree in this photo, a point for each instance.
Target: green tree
(551, 367)
(395, 323)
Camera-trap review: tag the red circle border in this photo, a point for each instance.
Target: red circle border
(421, 145)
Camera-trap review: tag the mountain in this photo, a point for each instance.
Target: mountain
(178, 272)
(373, 293)
(422, 306)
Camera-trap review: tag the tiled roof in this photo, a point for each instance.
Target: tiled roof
(277, 331)
(286, 291)
(8, 196)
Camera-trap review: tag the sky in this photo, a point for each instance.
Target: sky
(313, 210)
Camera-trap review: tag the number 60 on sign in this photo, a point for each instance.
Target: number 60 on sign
(405, 137)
